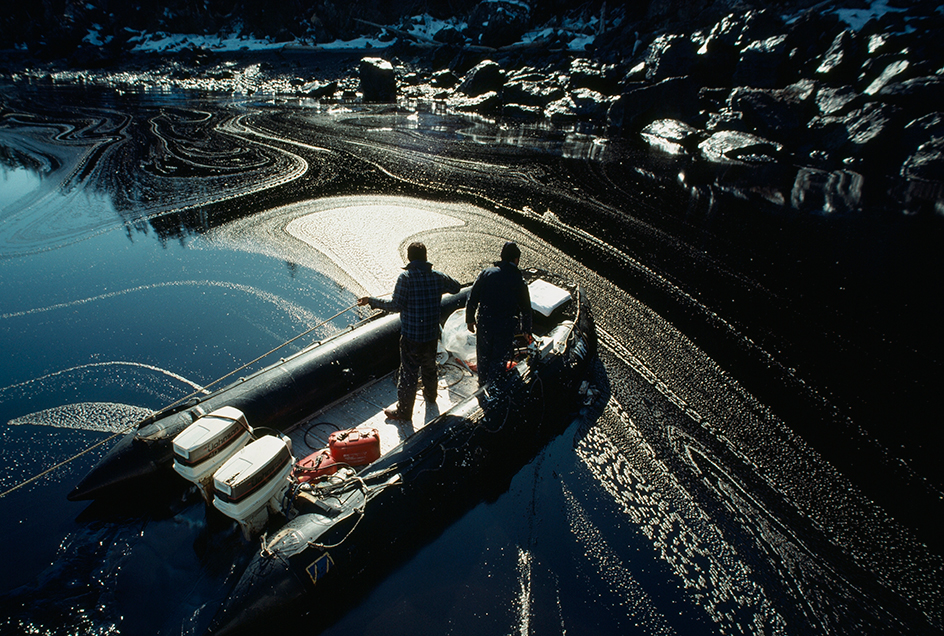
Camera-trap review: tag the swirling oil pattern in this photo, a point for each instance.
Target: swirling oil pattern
(179, 160)
(755, 457)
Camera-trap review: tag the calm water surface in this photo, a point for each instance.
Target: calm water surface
(762, 458)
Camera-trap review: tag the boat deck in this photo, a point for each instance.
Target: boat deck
(363, 408)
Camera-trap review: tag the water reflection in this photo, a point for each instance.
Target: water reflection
(569, 144)
(117, 168)
(146, 252)
(17, 182)
(823, 192)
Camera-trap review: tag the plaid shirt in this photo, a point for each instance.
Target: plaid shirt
(417, 297)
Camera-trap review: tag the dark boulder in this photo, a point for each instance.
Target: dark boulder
(318, 90)
(840, 64)
(531, 93)
(726, 119)
(836, 101)
(676, 97)
(777, 114)
(927, 163)
(561, 111)
(761, 62)
(711, 99)
(727, 35)
(808, 38)
(758, 24)
(594, 76)
(486, 77)
(444, 79)
(672, 136)
(717, 58)
(498, 23)
(922, 130)
(522, 112)
(378, 80)
(721, 50)
(590, 105)
(868, 132)
(670, 55)
(485, 104)
(737, 30)
(893, 72)
(634, 75)
(873, 127)
(915, 94)
(728, 145)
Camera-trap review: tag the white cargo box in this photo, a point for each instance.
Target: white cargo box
(545, 297)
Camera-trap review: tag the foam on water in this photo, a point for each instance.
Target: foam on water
(133, 380)
(524, 594)
(42, 380)
(296, 311)
(107, 417)
(360, 241)
(611, 569)
(365, 239)
(694, 548)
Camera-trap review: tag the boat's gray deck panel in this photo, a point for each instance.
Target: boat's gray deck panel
(364, 409)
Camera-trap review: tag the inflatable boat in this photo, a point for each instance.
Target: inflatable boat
(375, 491)
(276, 397)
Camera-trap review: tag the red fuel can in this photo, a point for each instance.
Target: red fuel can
(316, 466)
(355, 447)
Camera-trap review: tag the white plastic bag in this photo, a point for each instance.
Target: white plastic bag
(458, 340)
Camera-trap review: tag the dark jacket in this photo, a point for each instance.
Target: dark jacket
(498, 296)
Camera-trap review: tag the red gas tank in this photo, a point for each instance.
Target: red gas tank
(355, 446)
(316, 466)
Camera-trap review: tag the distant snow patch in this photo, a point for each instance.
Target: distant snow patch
(857, 18)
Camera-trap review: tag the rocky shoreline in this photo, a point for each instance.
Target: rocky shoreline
(754, 86)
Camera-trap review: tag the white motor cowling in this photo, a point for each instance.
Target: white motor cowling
(201, 448)
(253, 482)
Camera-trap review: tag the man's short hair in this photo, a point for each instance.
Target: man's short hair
(510, 251)
(416, 252)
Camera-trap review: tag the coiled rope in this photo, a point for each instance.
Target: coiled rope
(125, 429)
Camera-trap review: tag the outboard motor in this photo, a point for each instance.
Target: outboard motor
(206, 444)
(253, 481)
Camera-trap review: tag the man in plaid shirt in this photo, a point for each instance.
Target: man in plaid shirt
(416, 297)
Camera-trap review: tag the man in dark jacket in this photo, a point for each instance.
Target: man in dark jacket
(416, 296)
(500, 304)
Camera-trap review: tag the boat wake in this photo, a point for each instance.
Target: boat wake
(611, 568)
